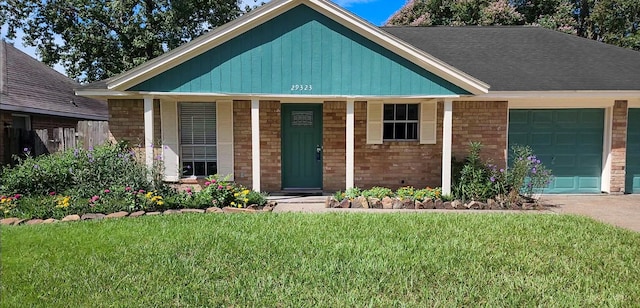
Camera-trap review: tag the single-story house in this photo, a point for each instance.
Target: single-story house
(34, 96)
(304, 95)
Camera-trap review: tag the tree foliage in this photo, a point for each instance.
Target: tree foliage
(611, 21)
(96, 39)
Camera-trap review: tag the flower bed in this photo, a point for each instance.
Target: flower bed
(429, 198)
(105, 180)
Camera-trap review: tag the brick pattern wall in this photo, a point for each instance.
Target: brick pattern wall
(51, 122)
(334, 117)
(395, 164)
(270, 146)
(480, 121)
(619, 146)
(242, 142)
(126, 123)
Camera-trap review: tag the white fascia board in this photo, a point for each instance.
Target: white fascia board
(263, 96)
(204, 96)
(101, 93)
(268, 11)
(634, 103)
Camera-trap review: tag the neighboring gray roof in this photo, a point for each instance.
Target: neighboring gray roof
(28, 85)
(528, 58)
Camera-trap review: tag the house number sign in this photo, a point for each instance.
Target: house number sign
(301, 87)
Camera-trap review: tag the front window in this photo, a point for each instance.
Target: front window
(400, 122)
(198, 151)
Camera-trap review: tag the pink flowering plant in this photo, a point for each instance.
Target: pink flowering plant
(220, 192)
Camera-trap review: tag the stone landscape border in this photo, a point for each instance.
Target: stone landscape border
(14, 221)
(399, 203)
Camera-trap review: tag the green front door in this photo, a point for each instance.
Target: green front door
(302, 146)
(568, 141)
(633, 152)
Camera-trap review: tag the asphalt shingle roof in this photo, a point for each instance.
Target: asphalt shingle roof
(528, 58)
(29, 85)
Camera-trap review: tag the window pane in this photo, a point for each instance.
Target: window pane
(388, 112)
(401, 112)
(187, 168)
(199, 168)
(212, 168)
(400, 131)
(412, 131)
(412, 112)
(388, 131)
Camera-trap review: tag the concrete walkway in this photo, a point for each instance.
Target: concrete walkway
(618, 210)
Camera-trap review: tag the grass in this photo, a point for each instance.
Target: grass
(324, 260)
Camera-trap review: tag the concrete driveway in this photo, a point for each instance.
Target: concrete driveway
(619, 210)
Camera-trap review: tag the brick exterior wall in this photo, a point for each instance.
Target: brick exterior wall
(334, 139)
(51, 122)
(391, 164)
(270, 146)
(395, 164)
(126, 123)
(619, 146)
(480, 121)
(242, 143)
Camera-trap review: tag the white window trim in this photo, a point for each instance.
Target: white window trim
(417, 122)
(181, 145)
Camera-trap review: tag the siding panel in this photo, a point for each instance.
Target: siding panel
(300, 47)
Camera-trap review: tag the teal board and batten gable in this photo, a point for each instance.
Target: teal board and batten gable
(300, 52)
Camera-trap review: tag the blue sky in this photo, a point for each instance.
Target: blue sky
(375, 11)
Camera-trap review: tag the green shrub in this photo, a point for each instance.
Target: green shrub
(83, 171)
(428, 193)
(339, 195)
(527, 175)
(479, 181)
(257, 198)
(40, 175)
(378, 192)
(406, 192)
(474, 180)
(352, 193)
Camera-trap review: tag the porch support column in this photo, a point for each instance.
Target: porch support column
(350, 144)
(148, 130)
(446, 146)
(255, 143)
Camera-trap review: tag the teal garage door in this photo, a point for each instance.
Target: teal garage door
(568, 141)
(633, 152)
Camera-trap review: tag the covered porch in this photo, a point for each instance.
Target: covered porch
(268, 142)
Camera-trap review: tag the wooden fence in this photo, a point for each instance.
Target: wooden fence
(86, 134)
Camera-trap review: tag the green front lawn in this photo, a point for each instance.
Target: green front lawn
(326, 260)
